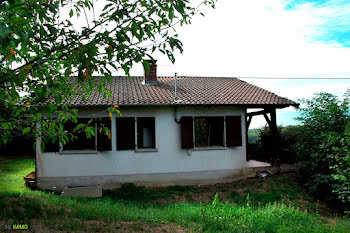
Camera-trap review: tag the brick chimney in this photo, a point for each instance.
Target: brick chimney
(151, 77)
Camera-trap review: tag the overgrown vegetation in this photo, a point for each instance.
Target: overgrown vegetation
(276, 204)
(319, 147)
(261, 148)
(273, 217)
(323, 149)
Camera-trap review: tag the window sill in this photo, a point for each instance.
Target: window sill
(210, 148)
(79, 152)
(146, 150)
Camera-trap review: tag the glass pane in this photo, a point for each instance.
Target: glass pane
(200, 131)
(216, 131)
(81, 142)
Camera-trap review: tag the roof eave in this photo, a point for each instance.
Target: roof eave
(182, 105)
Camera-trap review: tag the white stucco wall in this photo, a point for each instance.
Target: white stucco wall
(169, 159)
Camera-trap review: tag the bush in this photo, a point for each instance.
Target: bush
(323, 148)
(286, 136)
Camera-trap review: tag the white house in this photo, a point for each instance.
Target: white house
(195, 137)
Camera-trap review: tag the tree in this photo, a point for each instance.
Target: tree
(41, 48)
(323, 148)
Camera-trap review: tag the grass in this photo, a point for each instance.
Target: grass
(274, 205)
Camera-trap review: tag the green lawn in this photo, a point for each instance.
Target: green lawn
(277, 204)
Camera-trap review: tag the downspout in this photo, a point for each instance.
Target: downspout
(176, 100)
(175, 117)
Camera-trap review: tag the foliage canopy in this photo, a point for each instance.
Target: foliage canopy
(324, 147)
(42, 46)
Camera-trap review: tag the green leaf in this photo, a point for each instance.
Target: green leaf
(26, 130)
(71, 13)
(4, 31)
(145, 64)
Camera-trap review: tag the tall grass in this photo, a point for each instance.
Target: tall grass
(225, 217)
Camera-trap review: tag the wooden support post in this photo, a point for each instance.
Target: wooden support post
(249, 119)
(247, 122)
(275, 140)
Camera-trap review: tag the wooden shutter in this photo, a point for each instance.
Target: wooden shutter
(104, 142)
(233, 131)
(125, 133)
(187, 132)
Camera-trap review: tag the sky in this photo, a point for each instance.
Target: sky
(268, 38)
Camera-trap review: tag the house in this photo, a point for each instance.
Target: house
(195, 137)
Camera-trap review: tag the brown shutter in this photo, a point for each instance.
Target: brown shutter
(104, 142)
(187, 132)
(233, 131)
(125, 133)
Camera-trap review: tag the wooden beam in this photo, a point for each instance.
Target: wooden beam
(267, 119)
(251, 114)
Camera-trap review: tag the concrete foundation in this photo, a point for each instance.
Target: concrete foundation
(89, 191)
(150, 180)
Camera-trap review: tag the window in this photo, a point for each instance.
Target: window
(209, 131)
(146, 132)
(100, 141)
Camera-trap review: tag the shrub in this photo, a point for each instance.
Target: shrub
(286, 136)
(323, 148)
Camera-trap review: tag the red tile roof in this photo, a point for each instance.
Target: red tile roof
(129, 91)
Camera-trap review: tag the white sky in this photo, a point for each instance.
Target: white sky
(255, 38)
(261, 38)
